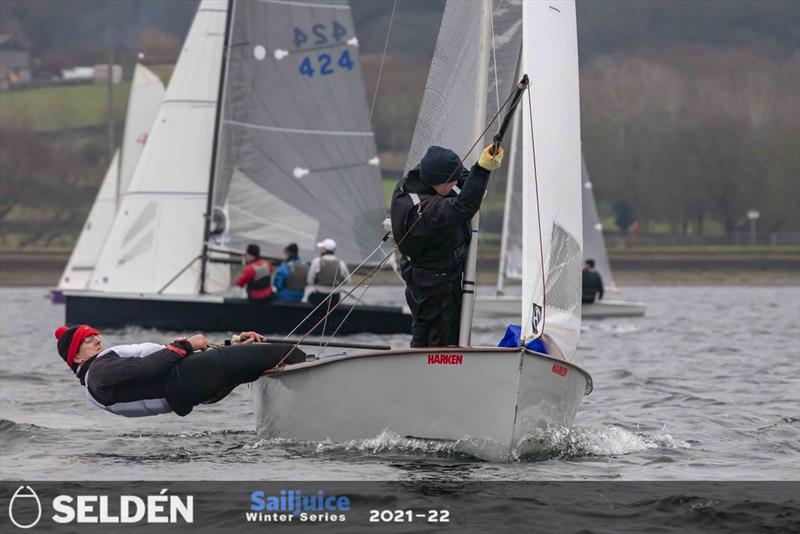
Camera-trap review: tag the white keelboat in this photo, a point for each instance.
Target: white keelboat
(497, 395)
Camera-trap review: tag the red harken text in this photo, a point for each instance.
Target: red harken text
(445, 359)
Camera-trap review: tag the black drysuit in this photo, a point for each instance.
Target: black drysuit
(434, 251)
(122, 382)
(592, 286)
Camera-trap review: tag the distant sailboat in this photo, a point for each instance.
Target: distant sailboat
(499, 396)
(146, 94)
(510, 263)
(595, 248)
(263, 137)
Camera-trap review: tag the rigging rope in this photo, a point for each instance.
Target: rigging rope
(538, 219)
(383, 58)
(334, 290)
(377, 267)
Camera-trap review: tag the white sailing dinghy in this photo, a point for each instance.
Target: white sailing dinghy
(594, 247)
(509, 266)
(497, 395)
(263, 137)
(146, 94)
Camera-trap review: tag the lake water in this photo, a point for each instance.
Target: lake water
(705, 386)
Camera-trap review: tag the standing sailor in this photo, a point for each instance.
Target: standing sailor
(326, 272)
(257, 276)
(428, 205)
(290, 278)
(592, 283)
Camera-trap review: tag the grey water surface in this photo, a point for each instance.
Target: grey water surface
(706, 386)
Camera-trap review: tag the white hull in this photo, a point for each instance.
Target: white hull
(510, 306)
(499, 395)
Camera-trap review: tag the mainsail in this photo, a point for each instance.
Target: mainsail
(297, 159)
(594, 246)
(447, 116)
(551, 178)
(158, 231)
(145, 97)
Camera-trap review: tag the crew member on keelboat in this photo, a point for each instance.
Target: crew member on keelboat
(256, 276)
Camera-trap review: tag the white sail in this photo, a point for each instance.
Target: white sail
(81, 264)
(594, 246)
(146, 94)
(159, 230)
(551, 174)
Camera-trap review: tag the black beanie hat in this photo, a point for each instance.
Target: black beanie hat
(292, 249)
(254, 250)
(440, 165)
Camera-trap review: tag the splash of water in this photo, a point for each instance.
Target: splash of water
(546, 444)
(603, 440)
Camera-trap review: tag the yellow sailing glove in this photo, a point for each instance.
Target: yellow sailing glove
(491, 162)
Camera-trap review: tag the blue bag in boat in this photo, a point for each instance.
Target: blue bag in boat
(511, 340)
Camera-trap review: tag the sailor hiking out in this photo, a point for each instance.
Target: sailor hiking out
(291, 276)
(431, 211)
(256, 276)
(326, 272)
(145, 379)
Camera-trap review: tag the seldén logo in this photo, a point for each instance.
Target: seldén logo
(25, 508)
(21, 508)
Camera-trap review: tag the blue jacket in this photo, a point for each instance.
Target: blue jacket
(280, 283)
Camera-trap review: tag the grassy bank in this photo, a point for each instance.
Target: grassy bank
(51, 109)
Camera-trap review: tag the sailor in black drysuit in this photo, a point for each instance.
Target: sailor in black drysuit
(591, 283)
(434, 249)
(149, 379)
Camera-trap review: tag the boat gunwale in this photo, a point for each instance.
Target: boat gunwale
(308, 365)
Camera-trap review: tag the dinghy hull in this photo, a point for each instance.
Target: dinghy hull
(509, 306)
(496, 396)
(217, 314)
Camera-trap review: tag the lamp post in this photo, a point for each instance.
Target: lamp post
(753, 216)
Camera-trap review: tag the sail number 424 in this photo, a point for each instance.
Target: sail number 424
(408, 516)
(325, 64)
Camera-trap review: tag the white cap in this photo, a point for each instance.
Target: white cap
(327, 244)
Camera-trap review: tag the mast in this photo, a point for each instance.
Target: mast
(468, 291)
(215, 145)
